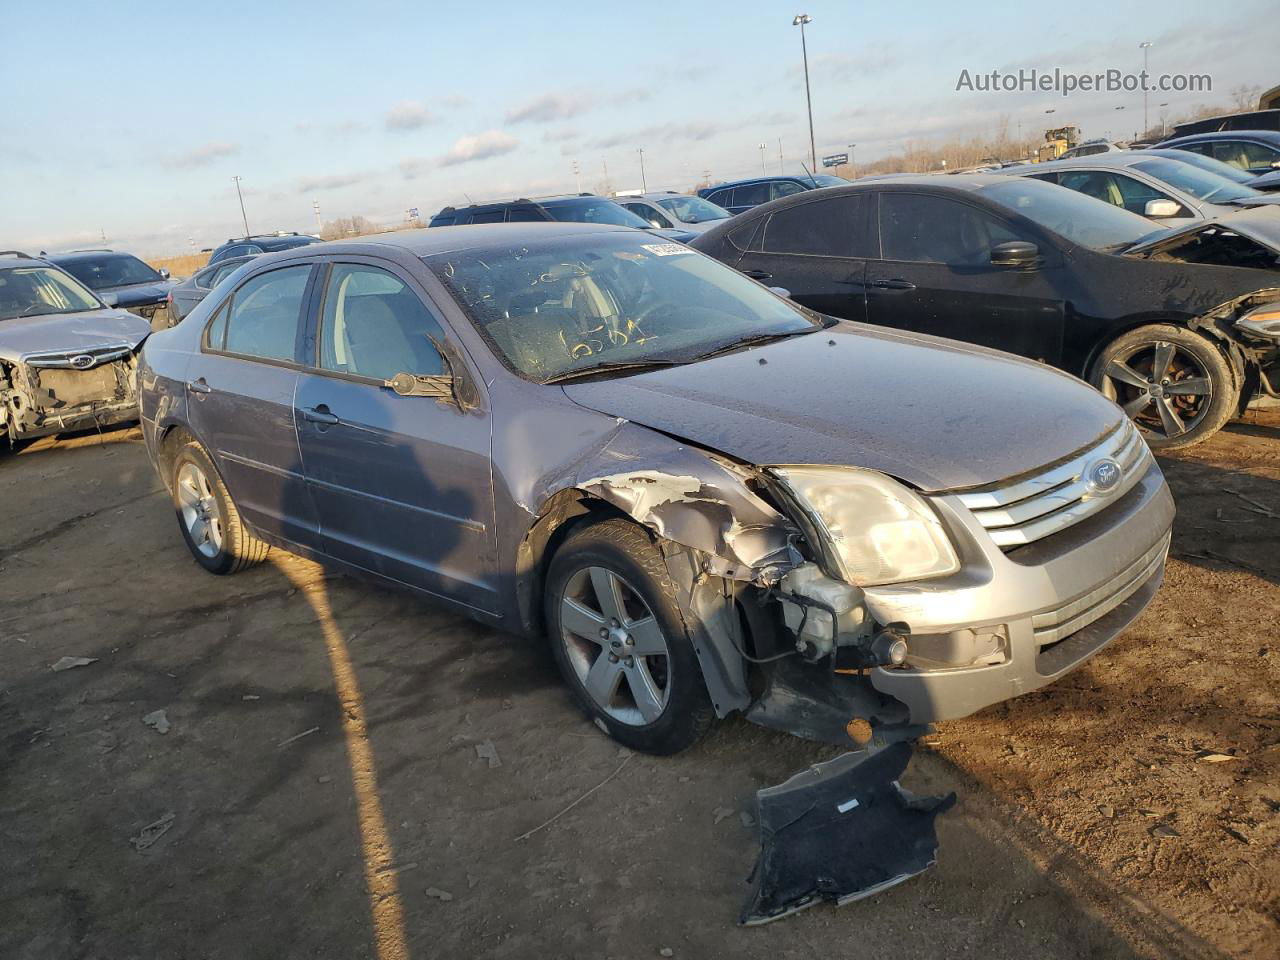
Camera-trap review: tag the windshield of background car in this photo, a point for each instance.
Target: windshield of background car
(826, 180)
(1090, 223)
(110, 270)
(576, 303)
(588, 210)
(693, 209)
(40, 291)
(1201, 184)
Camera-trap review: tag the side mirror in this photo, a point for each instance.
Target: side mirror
(164, 272)
(1275, 164)
(110, 299)
(1159, 209)
(782, 292)
(1015, 253)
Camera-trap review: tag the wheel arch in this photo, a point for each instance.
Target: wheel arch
(1189, 322)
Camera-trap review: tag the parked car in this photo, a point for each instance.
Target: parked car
(708, 498)
(1160, 188)
(262, 243)
(185, 295)
(739, 195)
(1254, 151)
(669, 209)
(1090, 148)
(1171, 323)
(1265, 182)
(66, 358)
(1263, 119)
(121, 278)
(575, 208)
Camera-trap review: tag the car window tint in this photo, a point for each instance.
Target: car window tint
(524, 215)
(375, 326)
(751, 195)
(1206, 149)
(648, 214)
(1134, 194)
(1244, 155)
(489, 216)
(925, 229)
(263, 319)
(829, 228)
(216, 333)
(205, 278)
(1046, 177)
(723, 198)
(221, 273)
(785, 188)
(1092, 183)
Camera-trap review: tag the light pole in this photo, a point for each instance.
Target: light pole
(1164, 117)
(762, 150)
(315, 206)
(1145, 47)
(800, 20)
(644, 184)
(577, 175)
(780, 170)
(853, 160)
(242, 213)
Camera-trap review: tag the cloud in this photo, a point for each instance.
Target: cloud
(334, 181)
(845, 67)
(408, 115)
(560, 136)
(547, 108)
(695, 131)
(201, 156)
(481, 146)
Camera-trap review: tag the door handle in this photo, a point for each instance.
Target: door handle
(199, 386)
(757, 274)
(319, 414)
(894, 284)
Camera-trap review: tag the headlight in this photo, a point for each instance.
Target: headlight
(877, 529)
(1263, 321)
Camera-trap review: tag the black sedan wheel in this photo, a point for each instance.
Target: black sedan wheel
(1174, 384)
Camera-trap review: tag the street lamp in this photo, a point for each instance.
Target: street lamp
(800, 20)
(1164, 117)
(1145, 47)
(762, 148)
(853, 160)
(241, 196)
(644, 184)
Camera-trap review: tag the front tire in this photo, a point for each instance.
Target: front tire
(1175, 385)
(620, 640)
(210, 523)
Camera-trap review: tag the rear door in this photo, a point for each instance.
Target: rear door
(240, 391)
(935, 276)
(818, 250)
(402, 483)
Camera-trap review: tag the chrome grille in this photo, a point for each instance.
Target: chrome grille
(83, 359)
(1032, 508)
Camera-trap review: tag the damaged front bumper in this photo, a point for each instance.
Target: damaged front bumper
(50, 393)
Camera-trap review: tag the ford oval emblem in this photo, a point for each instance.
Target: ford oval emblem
(82, 361)
(1103, 476)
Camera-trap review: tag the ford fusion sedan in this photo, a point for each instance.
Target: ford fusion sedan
(121, 279)
(66, 359)
(705, 498)
(1177, 325)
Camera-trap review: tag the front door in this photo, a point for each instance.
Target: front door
(935, 276)
(402, 483)
(240, 391)
(818, 251)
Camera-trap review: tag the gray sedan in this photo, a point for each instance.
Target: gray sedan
(705, 498)
(670, 209)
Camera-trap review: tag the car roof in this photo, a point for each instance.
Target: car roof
(73, 255)
(425, 242)
(750, 180)
(17, 258)
(1115, 158)
(1270, 136)
(518, 202)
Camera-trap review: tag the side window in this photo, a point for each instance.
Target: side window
(1100, 186)
(490, 216)
(221, 273)
(1134, 194)
(262, 320)
(375, 326)
(1046, 177)
(830, 228)
(215, 335)
(648, 214)
(785, 188)
(524, 215)
(723, 198)
(751, 195)
(1204, 149)
(1246, 155)
(205, 279)
(926, 229)
(1232, 152)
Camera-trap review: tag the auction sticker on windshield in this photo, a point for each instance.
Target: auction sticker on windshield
(666, 249)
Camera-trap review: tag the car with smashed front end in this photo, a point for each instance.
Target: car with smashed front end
(66, 359)
(706, 497)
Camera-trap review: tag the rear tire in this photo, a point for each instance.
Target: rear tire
(1175, 385)
(207, 516)
(627, 659)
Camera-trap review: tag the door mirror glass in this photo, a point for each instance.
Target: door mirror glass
(1015, 253)
(164, 272)
(1157, 209)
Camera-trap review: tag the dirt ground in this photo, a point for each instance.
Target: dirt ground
(347, 770)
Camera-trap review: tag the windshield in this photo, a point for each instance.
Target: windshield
(1201, 184)
(826, 180)
(693, 209)
(288, 243)
(593, 210)
(40, 291)
(1081, 219)
(1234, 174)
(580, 303)
(110, 270)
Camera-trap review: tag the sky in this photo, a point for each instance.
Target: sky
(129, 120)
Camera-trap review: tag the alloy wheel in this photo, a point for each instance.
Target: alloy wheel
(1161, 386)
(615, 646)
(199, 510)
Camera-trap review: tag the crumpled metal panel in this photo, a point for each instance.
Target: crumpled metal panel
(840, 831)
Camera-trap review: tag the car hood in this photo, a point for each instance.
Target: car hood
(1266, 181)
(934, 413)
(70, 331)
(136, 293)
(1261, 223)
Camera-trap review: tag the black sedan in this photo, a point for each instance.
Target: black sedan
(1181, 327)
(120, 279)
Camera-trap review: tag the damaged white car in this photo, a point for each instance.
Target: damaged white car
(67, 360)
(709, 499)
